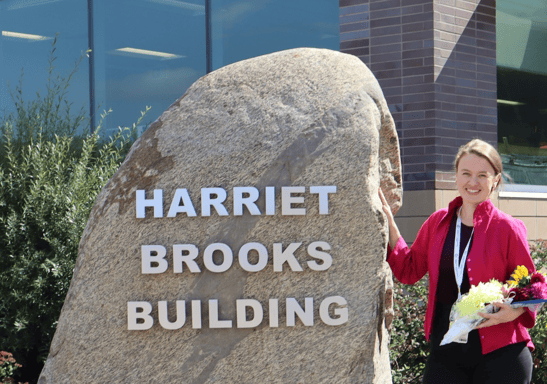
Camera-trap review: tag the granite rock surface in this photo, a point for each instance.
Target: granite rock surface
(302, 117)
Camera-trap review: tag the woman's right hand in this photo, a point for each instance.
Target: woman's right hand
(394, 233)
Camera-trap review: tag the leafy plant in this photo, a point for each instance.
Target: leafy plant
(51, 170)
(408, 347)
(539, 332)
(8, 365)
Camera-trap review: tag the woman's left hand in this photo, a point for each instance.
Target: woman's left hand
(504, 315)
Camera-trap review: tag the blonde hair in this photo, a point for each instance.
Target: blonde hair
(486, 151)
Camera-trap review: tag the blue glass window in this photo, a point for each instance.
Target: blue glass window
(147, 53)
(243, 28)
(28, 28)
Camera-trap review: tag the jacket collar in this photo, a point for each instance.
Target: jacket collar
(482, 212)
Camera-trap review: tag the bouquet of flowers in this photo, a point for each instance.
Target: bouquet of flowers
(523, 290)
(527, 291)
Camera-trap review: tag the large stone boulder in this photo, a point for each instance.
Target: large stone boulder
(222, 279)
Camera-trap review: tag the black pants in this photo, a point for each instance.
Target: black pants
(456, 363)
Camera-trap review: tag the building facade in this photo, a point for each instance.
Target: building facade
(451, 71)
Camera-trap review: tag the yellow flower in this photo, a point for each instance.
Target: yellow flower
(521, 269)
(520, 272)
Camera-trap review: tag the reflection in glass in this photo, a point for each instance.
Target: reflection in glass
(28, 28)
(522, 80)
(247, 28)
(147, 53)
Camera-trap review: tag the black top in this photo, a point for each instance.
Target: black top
(447, 289)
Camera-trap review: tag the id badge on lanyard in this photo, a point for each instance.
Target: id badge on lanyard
(459, 264)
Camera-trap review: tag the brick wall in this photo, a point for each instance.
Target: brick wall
(436, 63)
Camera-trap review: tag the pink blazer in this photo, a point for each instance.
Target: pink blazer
(499, 246)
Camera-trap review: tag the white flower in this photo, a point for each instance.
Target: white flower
(474, 301)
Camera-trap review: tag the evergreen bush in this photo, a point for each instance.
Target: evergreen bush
(408, 347)
(51, 170)
(539, 332)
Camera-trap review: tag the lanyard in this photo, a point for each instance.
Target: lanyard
(459, 265)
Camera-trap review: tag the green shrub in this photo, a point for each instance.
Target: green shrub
(408, 347)
(8, 365)
(51, 170)
(539, 332)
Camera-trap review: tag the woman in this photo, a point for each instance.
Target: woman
(489, 244)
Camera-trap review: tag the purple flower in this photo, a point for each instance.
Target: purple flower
(537, 278)
(521, 294)
(538, 290)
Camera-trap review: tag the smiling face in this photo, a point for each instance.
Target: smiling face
(475, 178)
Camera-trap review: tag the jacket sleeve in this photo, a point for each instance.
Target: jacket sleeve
(519, 254)
(410, 264)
